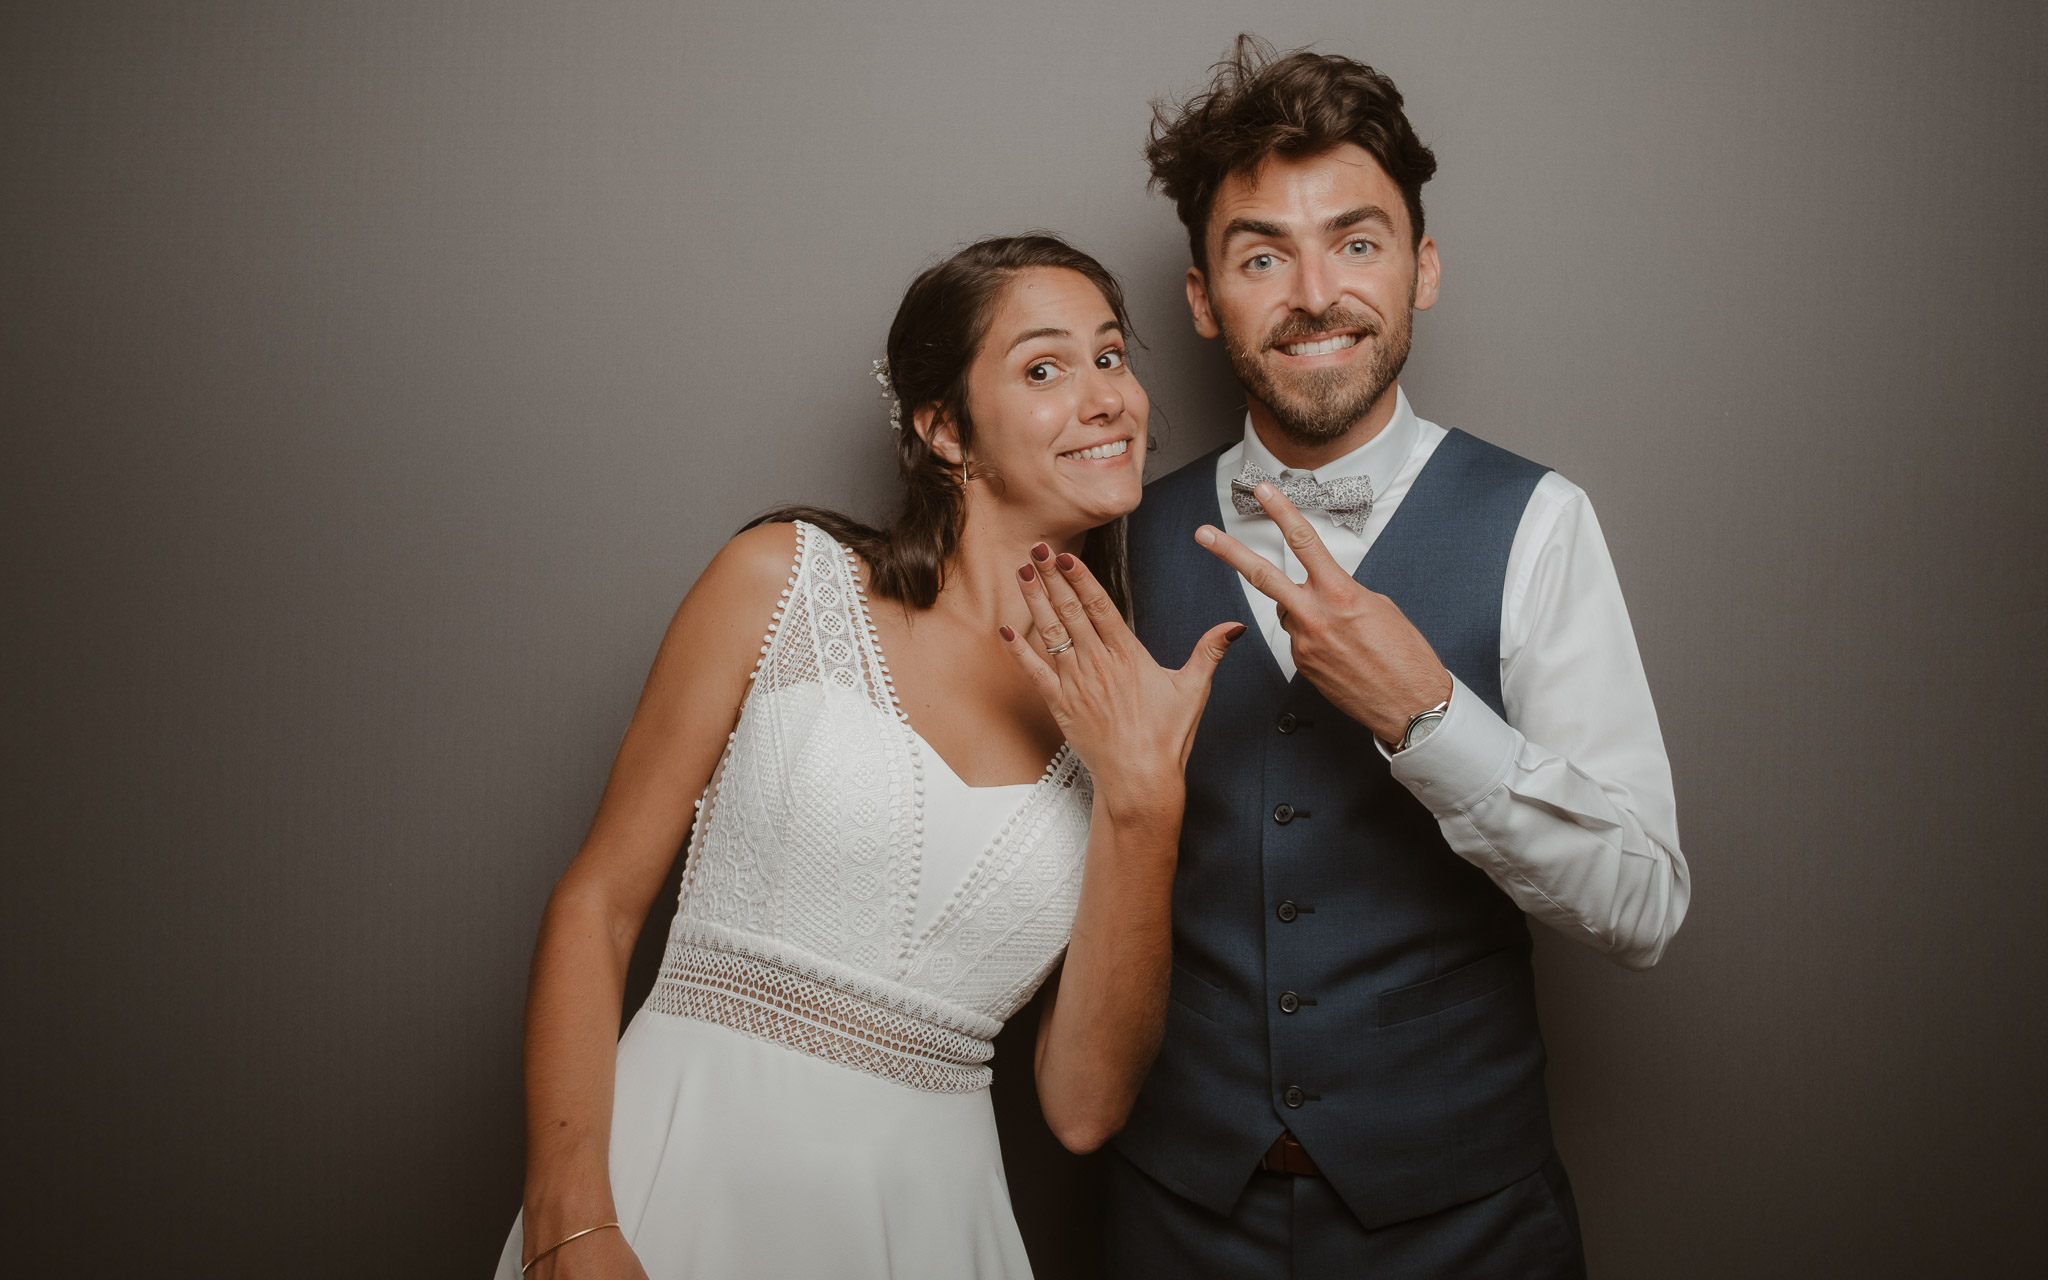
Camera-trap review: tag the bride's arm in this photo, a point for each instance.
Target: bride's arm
(1105, 1010)
(596, 911)
(1132, 722)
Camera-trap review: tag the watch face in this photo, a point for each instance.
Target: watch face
(1423, 728)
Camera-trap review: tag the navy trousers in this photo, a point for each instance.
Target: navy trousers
(1286, 1227)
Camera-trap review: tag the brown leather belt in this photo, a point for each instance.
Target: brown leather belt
(1288, 1156)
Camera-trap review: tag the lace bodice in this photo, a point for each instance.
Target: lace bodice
(796, 921)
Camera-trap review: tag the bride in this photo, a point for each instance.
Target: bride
(849, 729)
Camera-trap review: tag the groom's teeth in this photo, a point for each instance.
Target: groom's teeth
(1114, 448)
(1323, 348)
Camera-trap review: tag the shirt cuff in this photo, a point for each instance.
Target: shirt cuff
(1463, 760)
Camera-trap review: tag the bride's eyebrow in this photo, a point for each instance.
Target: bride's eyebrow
(1029, 334)
(1107, 326)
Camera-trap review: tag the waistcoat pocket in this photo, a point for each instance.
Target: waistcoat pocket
(1483, 976)
(1195, 995)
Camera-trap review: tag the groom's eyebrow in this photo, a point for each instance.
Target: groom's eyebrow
(1107, 326)
(1353, 217)
(1274, 231)
(1252, 227)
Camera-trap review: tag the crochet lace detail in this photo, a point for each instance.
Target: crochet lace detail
(804, 857)
(771, 1003)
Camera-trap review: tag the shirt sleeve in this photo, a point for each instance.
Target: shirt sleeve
(1567, 803)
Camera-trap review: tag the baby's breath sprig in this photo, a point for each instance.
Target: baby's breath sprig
(895, 405)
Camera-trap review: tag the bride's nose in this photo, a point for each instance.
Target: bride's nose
(1101, 399)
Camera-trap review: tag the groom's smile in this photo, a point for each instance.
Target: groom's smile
(1329, 341)
(1321, 346)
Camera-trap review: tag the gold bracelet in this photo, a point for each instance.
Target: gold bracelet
(559, 1243)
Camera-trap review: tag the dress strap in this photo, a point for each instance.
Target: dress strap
(821, 631)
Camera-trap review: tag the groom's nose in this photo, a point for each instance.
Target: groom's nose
(1315, 286)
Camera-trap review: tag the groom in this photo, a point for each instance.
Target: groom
(1446, 729)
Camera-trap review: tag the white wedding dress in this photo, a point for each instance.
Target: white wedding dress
(803, 1094)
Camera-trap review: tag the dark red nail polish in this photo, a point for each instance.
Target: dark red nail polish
(1027, 573)
(1066, 563)
(1040, 552)
(1008, 635)
(1234, 632)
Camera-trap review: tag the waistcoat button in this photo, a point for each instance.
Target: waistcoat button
(1289, 1002)
(1287, 723)
(1287, 911)
(1283, 813)
(1294, 1097)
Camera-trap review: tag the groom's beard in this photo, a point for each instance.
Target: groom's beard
(1318, 406)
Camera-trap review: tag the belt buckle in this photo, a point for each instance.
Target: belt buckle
(1287, 1155)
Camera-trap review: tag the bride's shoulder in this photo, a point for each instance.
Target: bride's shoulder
(755, 564)
(714, 640)
(764, 549)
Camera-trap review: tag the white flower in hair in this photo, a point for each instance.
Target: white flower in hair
(895, 405)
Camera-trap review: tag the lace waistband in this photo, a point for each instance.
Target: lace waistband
(771, 1003)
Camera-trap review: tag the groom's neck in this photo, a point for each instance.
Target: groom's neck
(1299, 455)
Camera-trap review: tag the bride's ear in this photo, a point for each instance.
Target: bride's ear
(939, 433)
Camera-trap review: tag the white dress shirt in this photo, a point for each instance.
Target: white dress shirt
(1566, 804)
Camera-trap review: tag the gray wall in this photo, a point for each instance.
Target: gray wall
(377, 376)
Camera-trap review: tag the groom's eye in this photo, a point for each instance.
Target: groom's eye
(1358, 248)
(1260, 261)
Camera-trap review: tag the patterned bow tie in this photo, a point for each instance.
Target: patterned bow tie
(1348, 499)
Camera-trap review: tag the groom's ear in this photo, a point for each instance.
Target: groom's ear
(1198, 304)
(938, 433)
(1429, 274)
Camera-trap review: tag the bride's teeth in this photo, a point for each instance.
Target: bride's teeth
(1325, 347)
(1113, 449)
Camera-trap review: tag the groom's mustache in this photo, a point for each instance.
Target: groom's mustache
(1302, 328)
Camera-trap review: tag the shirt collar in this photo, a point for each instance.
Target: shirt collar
(1380, 458)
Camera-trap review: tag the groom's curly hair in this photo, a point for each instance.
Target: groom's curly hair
(1259, 103)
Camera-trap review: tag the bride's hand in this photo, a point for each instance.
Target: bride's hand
(1130, 720)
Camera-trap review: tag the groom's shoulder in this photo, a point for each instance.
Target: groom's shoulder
(1483, 461)
(1167, 497)
(1199, 472)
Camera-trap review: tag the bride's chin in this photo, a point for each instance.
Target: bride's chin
(1079, 517)
(1125, 504)
(1075, 526)
(1111, 514)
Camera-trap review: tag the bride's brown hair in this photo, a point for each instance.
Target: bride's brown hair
(938, 330)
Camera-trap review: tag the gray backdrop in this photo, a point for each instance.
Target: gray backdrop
(376, 377)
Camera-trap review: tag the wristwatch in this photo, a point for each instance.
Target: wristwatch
(1421, 725)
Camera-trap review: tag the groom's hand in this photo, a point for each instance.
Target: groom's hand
(1354, 645)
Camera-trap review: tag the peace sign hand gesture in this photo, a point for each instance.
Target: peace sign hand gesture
(1353, 644)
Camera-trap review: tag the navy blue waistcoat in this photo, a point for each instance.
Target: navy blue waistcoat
(1338, 971)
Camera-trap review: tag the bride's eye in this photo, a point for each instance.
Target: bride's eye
(1043, 371)
(1110, 360)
